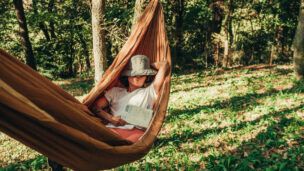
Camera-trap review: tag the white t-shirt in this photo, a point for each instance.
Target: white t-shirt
(119, 98)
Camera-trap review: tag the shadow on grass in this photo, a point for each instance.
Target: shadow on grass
(269, 150)
(236, 103)
(284, 71)
(207, 83)
(189, 136)
(216, 79)
(79, 88)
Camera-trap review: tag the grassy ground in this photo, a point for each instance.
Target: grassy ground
(240, 119)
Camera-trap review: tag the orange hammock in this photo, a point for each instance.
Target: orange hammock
(44, 117)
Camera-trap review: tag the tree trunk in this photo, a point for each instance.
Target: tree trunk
(276, 47)
(41, 24)
(71, 56)
(99, 46)
(25, 41)
(272, 53)
(228, 35)
(178, 33)
(217, 16)
(138, 8)
(215, 27)
(85, 51)
(51, 7)
(298, 45)
(216, 54)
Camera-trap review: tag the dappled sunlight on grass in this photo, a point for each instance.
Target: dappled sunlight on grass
(12, 151)
(77, 87)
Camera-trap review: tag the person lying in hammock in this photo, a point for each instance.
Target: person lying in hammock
(134, 93)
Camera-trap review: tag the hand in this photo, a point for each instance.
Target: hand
(158, 65)
(117, 121)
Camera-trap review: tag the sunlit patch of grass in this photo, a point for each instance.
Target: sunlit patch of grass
(76, 87)
(12, 151)
(227, 120)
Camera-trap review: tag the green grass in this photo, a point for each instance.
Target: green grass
(239, 119)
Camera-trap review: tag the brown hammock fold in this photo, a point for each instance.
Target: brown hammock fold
(44, 117)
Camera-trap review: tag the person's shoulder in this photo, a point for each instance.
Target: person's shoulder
(114, 92)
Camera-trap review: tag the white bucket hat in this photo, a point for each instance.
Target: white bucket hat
(138, 65)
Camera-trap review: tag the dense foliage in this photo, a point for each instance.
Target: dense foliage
(254, 31)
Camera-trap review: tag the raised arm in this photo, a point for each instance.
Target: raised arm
(162, 68)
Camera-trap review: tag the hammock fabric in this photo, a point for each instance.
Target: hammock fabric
(44, 117)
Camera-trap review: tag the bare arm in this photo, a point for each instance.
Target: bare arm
(162, 68)
(98, 110)
(101, 103)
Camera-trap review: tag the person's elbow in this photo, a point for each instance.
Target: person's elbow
(165, 65)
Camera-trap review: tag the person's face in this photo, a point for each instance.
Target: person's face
(137, 81)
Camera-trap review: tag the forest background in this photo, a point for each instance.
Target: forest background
(202, 33)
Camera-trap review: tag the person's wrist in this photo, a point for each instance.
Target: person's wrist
(111, 119)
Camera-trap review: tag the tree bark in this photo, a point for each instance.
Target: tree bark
(51, 7)
(85, 51)
(99, 46)
(215, 26)
(41, 24)
(71, 56)
(228, 34)
(178, 33)
(138, 8)
(216, 54)
(217, 16)
(298, 45)
(25, 41)
(272, 53)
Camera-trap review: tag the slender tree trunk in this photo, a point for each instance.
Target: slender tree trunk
(44, 29)
(206, 46)
(41, 24)
(225, 61)
(228, 34)
(71, 57)
(99, 46)
(276, 47)
(298, 45)
(86, 51)
(138, 8)
(51, 8)
(272, 53)
(216, 54)
(25, 41)
(178, 33)
(217, 16)
(215, 26)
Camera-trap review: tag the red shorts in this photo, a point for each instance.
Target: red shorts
(129, 134)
